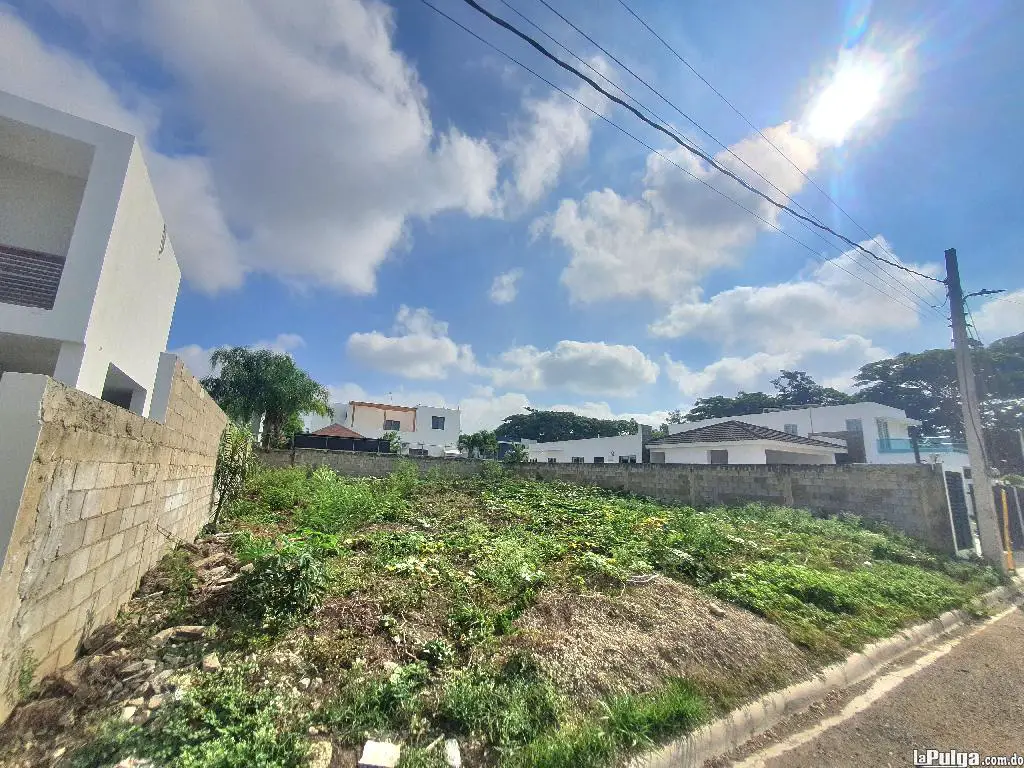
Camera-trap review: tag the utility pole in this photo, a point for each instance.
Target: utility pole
(984, 500)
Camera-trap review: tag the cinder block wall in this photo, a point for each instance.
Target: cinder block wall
(910, 497)
(106, 494)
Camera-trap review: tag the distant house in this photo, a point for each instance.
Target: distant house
(423, 430)
(874, 433)
(738, 442)
(621, 449)
(337, 430)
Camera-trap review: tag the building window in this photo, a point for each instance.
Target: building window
(790, 429)
(967, 473)
(391, 425)
(854, 425)
(599, 459)
(577, 459)
(883, 428)
(437, 422)
(718, 457)
(627, 459)
(552, 461)
(421, 452)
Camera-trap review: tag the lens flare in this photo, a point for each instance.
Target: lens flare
(854, 92)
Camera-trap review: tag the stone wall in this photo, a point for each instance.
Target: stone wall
(105, 495)
(910, 497)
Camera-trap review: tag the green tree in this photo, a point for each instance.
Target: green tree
(394, 441)
(743, 404)
(483, 444)
(250, 383)
(675, 416)
(546, 426)
(797, 388)
(517, 454)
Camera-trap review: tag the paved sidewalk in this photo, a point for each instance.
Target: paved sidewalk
(971, 699)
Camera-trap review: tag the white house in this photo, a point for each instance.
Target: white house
(738, 442)
(875, 433)
(623, 449)
(88, 278)
(423, 430)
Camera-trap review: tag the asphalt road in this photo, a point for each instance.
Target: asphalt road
(970, 699)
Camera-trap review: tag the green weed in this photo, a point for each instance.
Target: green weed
(284, 586)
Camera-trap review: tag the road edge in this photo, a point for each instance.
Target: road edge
(741, 725)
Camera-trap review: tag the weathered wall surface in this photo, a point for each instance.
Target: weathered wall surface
(105, 495)
(910, 497)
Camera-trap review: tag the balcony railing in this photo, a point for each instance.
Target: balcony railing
(29, 278)
(924, 446)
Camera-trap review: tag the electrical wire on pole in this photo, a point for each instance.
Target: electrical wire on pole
(876, 270)
(656, 152)
(934, 299)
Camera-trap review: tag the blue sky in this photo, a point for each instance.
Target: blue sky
(369, 188)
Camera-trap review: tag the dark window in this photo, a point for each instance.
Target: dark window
(790, 429)
(967, 473)
(627, 459)
(854, 425)
(718, 457)
(577, 459)
(437, 422)
(552, 461)
(599, 459)
(390, 425)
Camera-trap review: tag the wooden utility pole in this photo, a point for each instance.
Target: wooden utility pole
(984, 500)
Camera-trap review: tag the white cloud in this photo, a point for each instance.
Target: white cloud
(197, 358)
(203, 245)
(1001, 316)
(420, 348)
(584, 367)
(554, 132)
(826, 301)
(483, 409)
(831, 361)
(663, 243)
(505, 286)
(602, 410)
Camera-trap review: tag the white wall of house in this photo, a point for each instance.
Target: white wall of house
(611, 449)
(120, 279)
(746, 452)
(833, 418)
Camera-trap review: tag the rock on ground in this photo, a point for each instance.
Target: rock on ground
(380, 754)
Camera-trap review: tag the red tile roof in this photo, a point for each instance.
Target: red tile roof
(336, 430)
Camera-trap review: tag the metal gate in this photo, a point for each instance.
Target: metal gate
(958, 508)
(1013, 500)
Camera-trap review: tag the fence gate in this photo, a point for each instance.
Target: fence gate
(958, 508)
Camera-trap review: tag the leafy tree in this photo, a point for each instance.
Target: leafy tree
(394, 441)
(235, 465)
(798, 388)
(675, 416)
(517, 454)
(257, 382)
(482, 443)
(743, 404)
(547, 426)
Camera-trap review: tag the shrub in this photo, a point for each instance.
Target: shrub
(284, 585)
(236, 462)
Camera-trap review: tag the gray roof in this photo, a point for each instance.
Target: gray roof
(737, 431)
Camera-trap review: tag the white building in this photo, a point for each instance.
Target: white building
(623, 449)
(423, 430)
(88, 278)
(874, 433)
(738, 442)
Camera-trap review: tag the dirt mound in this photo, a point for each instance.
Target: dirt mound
(594, 645)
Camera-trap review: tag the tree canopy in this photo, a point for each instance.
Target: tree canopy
(792, 388)
(547, 426)
(250, 383)
(483, 444)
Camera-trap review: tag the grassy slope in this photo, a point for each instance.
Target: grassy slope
(431, 574)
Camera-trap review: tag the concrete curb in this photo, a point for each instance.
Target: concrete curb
(741, 725)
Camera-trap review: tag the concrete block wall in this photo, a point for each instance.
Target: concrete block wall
(105, 495)
(910, 497)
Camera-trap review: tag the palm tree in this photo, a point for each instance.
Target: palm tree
(251, 383)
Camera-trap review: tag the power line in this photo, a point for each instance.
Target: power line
(878, 272)
(684, 144)
(747, 120)
(651, 149)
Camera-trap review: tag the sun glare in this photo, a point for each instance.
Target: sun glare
(852, 95)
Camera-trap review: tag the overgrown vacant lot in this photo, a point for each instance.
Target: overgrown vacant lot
(537, 624)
